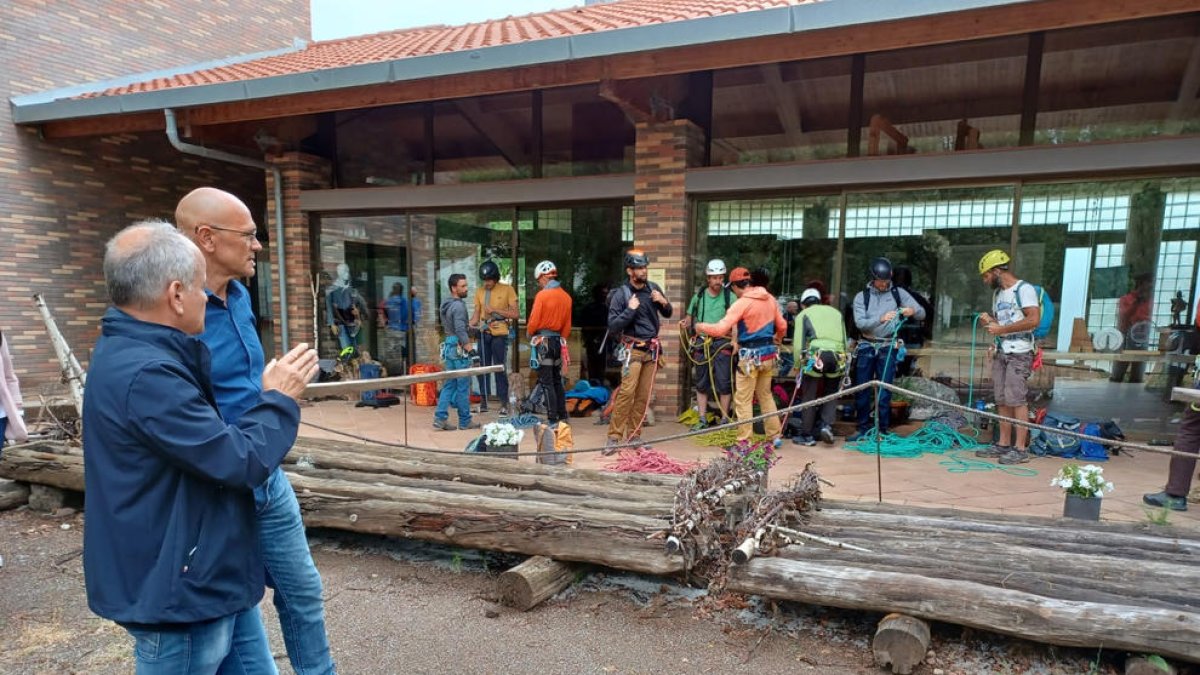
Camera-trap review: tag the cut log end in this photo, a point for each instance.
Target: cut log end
(900, 641)
(528, 584)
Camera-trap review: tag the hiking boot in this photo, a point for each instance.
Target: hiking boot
(826, 435)
(504, 411)
(1165, 501)
(725, 420)
(699, 426)
(1014, 456)
(777, 443)
(441, 425)
(805, 440)
(635, 440)
(473, 424)
(483, 407)
(610, 447)
(993, 451)
(856, 436)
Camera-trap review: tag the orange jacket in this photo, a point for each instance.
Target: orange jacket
(551, 311)
(755, 315)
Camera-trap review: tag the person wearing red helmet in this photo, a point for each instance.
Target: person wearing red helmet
(760, 328)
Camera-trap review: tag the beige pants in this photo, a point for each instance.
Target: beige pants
(630, 404)
(748, 385)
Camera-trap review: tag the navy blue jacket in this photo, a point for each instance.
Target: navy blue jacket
(171, 534)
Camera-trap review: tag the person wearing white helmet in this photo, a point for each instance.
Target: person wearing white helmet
(712, 357)
(549, 327)
(821, 344)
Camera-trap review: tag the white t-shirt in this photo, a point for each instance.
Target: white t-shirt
(1007, 309)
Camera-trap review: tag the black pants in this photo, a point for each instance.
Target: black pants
(813, 387)
(492, 353)
(1179, 482)
(550, 377)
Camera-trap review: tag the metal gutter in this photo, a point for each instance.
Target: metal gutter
(795, 20)
(221, 156)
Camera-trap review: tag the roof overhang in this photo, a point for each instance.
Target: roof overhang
(64, 104)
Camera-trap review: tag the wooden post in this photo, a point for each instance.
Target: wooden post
(900, 640)
(72, 372)
(531, 582)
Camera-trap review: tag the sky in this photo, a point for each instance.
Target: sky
(342, 18)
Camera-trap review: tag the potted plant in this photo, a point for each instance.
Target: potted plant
(1084, 487)
(502, 437)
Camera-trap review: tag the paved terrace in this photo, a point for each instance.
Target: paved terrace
(922, 481)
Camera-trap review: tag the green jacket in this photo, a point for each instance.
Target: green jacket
(820, 328)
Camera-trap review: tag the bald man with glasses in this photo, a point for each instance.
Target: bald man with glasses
(225, 232)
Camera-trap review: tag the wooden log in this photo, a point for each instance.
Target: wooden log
(651, 509)
(485, 471)
(72, 373)
(42, 468)
(900, 642)
(13, 494)
(528, 584)
(476, 460)
(1173, 633)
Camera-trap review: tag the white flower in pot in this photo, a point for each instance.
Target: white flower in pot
(501, 433)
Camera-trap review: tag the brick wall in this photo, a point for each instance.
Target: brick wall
(60, 200)
(662, 228)
(300, 172)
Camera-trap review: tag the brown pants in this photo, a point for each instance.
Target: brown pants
(752, 382)
(1179, 480)
(632, 396)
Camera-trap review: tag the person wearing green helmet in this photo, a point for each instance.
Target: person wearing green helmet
(1015, 314)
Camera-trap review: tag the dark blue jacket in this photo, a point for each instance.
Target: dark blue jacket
(171, 534)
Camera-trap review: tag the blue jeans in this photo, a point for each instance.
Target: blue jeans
(455, 392)
(293, 575)
(874, 364)
(494, 349)
(233, 645)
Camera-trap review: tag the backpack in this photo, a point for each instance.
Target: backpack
(1045, 309)
(895, 296)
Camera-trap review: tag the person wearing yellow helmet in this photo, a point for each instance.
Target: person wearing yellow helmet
(1015, 314)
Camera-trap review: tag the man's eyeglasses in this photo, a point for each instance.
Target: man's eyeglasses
(249, 237)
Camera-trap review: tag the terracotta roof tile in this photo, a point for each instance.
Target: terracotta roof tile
(428, 40)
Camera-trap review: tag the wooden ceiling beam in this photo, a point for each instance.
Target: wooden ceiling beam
(787, 107)
(944, 28)
(506, 140)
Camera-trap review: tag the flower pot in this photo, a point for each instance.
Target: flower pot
(509, 451)
(1083, 508)
(899, 412)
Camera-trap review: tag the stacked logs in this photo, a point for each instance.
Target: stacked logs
(1121, 586)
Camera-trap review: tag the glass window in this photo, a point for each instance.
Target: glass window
(379, 147)
(939, 236)
(583, 134)
(943, 98)
(1095, 239)
(483, 138)
(781, 112)
(794, 238)
(1117, 81)
(587, 245)
(363, 263)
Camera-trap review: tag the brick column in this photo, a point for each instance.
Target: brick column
(662, 228)
(300, 172)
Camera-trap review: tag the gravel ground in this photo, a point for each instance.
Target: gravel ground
(404, 607)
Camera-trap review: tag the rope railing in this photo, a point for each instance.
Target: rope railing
(873, 384)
